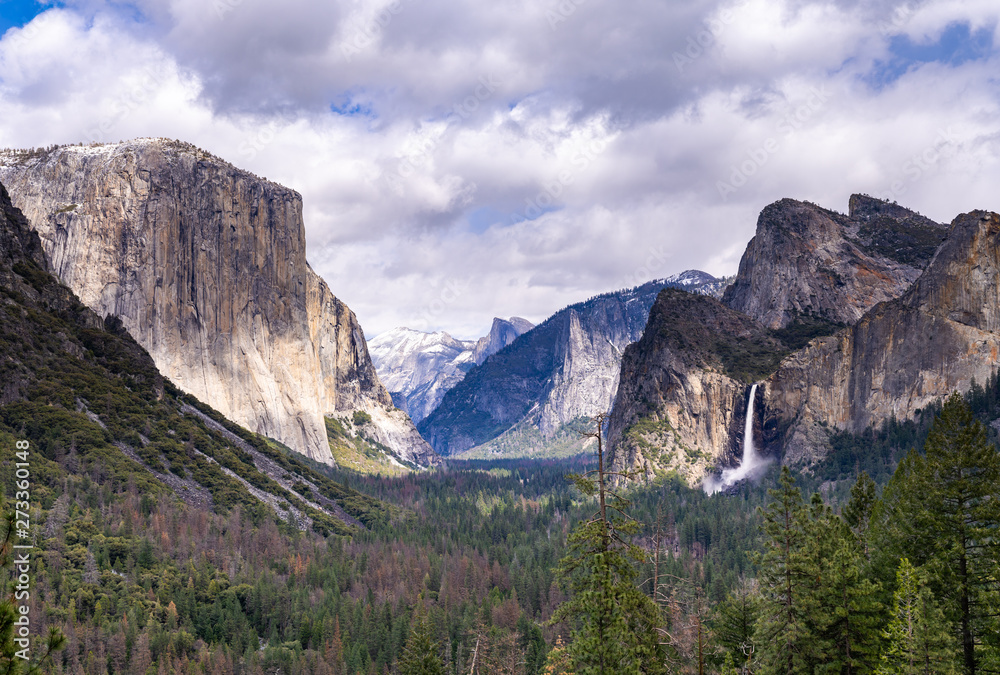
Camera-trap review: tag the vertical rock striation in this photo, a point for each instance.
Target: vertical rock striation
(530, 397)
(205, 264)
(903, 354)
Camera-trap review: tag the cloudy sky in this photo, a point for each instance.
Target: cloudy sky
(460, 160)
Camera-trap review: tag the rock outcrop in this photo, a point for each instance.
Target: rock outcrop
(523, 399)
(807, 263)
(899, 345)
(901, 355)
(205, 264)
(502, 333)
(681, 404)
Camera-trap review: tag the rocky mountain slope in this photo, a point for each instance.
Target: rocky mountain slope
(205, 264)
(502, 333)
(901, 355)
(677, 411)
(681, 405)
(418, 368)
(530, 397)
(90, 401)
(807, 263)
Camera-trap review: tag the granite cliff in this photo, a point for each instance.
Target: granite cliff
(902, 354)
(205, 265)
(681, 404)
(91, 403)
(807, 263)
(828, 323)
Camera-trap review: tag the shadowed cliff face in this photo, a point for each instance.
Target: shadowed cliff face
(808, 261)
(903, 354)
(419, 368)
(681, 404)
(205, 264)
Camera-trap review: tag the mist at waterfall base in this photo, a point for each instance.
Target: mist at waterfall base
(750, 465)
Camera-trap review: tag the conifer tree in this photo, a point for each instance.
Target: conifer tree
(782, 629)
(942, 513)
(918, 637)
(734, 623)
(844, 614)
(420, 653)
(857, 512)
(614, 622)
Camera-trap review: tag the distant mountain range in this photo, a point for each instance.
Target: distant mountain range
(418, 368)
(531, 397)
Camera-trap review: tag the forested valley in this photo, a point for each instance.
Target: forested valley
(460, 572)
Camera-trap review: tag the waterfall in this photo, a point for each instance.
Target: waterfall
(749, 455)
(750, 462)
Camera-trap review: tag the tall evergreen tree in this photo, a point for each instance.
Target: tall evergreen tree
(857, 512)
(782, 630)
(844, 612)
(918, 637)
(614, 623)
(420, 653)
(734, 622)
(942, 513)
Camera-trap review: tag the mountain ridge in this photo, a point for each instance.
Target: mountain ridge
(562, 371)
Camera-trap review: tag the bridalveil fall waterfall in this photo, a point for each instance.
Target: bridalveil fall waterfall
(751, 460)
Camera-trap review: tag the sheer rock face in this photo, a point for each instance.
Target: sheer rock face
(205, 264)
(680, 405)
(502, 333)
(808, 261)
(903, 354)
(679, 408)
(563, 369)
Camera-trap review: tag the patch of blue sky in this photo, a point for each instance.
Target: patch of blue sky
(17, 13)
(957, 44)
(348, 107)
(481, 219)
